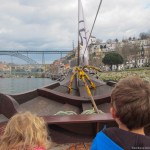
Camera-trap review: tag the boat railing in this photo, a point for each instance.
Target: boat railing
(8, 105)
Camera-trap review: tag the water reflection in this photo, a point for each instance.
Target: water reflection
(19, 85)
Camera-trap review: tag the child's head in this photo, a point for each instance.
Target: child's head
(24, 131)
(131, 102)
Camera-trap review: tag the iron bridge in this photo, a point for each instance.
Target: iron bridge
(23, 54)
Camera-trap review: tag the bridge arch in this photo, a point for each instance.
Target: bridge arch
(18, 55)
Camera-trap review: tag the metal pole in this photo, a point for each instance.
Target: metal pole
(61, 55)
(78, 63)
(73, 45)
(43, 59)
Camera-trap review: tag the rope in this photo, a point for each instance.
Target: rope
(94, 105)
(88, 111)
(62, 113)
(71, 88)
(93, 25)
(83, 76)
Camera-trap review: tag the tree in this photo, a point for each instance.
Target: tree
(116, 40)
(129, 51)
(109, 41)
(134, 52)
(147, 55)
(99, 41)
(112, 58)
(130, 38)
(134, 38)
(95, 60)
(144, 35)
(124, 40)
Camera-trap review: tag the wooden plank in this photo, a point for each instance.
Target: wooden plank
(61, 97)
(104, 118)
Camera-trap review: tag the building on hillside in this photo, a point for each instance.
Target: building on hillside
(73, 62)
(95, 54)
(93, 40)
(142, 58)
(4, 67)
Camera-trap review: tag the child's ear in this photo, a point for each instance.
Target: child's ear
(113, 112)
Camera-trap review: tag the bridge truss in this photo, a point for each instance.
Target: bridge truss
(23, 54)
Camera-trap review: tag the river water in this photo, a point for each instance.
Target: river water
(20, 85)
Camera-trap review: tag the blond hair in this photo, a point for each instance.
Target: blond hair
(24, 131)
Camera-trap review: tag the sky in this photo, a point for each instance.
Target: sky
(52, 24)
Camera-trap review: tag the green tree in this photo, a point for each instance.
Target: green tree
(129, 51)
(112, 58)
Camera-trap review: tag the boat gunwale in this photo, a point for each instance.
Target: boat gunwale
(26, 96)
(69, 119)
(86, 118)
(71, 99)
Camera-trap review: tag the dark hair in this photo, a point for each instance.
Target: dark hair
(131, 99)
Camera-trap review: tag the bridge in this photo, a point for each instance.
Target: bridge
(23, 54)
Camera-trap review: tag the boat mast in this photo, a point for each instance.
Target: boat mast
(78, 61)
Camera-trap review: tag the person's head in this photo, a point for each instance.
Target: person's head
(24, 131)
(130, 101)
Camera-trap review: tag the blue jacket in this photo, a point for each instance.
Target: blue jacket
(103, 142)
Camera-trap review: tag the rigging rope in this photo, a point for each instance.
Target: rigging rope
(93, 25)
(84, 77)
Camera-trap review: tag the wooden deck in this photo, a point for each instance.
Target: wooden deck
(45, 107)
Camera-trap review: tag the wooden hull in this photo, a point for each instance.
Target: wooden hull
(47, 101)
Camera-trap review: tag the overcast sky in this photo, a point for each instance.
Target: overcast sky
(52, 24)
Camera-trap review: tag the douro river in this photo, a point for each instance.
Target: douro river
(20, 85)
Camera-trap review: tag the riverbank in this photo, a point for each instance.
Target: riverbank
(117, 75)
